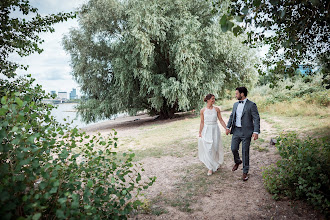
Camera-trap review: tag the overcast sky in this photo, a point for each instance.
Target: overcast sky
(52, 67)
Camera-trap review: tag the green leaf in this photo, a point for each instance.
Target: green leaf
(245, 10)
(315, 2)
(25, 198)
(239, 18)
(224, 28)
(237, 30)
(19, 101)
(53, 190)
(60, 214)
(3, 111)
(56, 183)
(223, 20)
(230, 25)
(4, 100)
(36, 216)
(89, 183)
(138, 178)
(256, 3)
(62, 200)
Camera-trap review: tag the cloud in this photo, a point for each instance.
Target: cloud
(51, 6)
(51, 68)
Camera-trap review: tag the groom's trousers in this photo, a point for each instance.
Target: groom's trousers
(237, 138)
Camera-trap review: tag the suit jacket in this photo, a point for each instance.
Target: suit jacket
(250, 119)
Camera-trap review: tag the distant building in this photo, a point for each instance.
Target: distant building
(53, 92)
(73, 94)
(63, 95)
(302, 69)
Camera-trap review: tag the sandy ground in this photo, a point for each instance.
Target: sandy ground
(226, 195)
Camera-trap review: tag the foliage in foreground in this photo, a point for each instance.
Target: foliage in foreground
(302, 172)
(48, 170)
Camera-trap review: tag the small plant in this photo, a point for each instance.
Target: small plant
(48, 170)
(302, 172)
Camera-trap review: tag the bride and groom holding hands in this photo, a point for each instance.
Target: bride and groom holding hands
(243, 124)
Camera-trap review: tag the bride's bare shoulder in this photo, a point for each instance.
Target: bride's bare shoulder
(202, 110)
(217, 109)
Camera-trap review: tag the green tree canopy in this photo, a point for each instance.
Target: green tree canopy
(162, 56)
(297, 31)
(19, 34)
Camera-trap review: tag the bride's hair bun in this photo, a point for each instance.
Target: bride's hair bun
(208, 97)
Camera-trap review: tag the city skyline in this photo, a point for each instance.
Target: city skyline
(65, 94)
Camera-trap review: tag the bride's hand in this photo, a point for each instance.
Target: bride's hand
(200, 135)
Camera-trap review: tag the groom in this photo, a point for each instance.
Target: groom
(244, 124)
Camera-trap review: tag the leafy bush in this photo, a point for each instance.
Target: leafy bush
(302, 172)
(49, 170)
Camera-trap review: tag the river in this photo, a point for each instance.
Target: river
(68, 111)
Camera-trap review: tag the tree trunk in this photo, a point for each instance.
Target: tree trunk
(167, 112)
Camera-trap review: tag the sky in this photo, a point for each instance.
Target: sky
(51, 68)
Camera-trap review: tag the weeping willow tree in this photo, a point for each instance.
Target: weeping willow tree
(162, 56)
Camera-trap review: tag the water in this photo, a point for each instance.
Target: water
(67, 111)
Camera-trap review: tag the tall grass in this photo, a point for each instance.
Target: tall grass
(294, 97)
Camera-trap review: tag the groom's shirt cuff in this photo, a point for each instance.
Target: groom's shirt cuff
(255, 132)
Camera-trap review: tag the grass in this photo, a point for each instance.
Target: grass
(296, 108)
(193, 183)
(148, 207)
(305, 125)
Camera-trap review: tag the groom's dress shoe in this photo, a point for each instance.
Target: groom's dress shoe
(235, 167)
(245, 177)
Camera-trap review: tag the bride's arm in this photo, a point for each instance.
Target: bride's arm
(202, 123)
(220, 118)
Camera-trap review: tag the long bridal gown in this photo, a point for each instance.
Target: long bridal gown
(210, 149)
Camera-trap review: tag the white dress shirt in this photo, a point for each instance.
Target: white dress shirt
(239, 112)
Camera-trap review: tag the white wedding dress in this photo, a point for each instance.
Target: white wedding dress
(210, 149)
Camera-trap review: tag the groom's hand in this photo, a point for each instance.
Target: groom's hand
(255, 136)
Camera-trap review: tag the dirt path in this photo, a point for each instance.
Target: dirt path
(184, 191)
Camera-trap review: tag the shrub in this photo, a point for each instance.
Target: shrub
(302, 172)
(320, 98)
(49, 170)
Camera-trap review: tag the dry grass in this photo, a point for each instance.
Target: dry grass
(293, 108)
(296, 108)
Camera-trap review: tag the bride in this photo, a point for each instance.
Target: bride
(210, 150)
